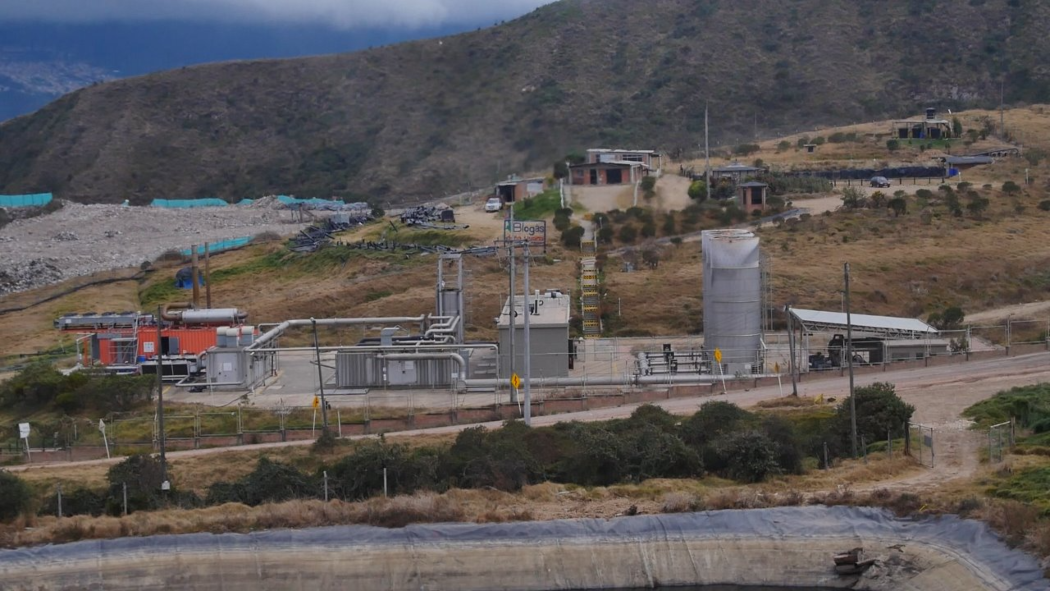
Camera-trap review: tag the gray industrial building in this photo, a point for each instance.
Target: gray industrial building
(548, 334)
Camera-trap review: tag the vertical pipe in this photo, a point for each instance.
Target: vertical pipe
(707, 154)
(207, 275)
(849, 354)
(196, 277)
(160, 406)
(791, 346)
(528, 351)
(511, 307)
(320, 381)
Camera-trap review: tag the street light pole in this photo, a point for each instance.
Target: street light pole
(160, 397)
(528, 349)
(512, 308)
(849, 355)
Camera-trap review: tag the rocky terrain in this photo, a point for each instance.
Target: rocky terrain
(81, 240)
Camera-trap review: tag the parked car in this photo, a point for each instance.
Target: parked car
(880, 182)
(494, 204)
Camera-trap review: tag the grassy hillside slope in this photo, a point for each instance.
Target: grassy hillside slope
(425, 118)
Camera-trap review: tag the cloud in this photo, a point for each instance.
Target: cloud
(342, 14)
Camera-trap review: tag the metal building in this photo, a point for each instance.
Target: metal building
(548, 334)
(733, 298)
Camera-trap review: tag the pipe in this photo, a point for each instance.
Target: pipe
(195, 267)
(166, 314)
(636, 380)
(425, 356)
(280, 328)
(446, 328)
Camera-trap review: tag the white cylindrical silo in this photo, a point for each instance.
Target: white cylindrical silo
(732, 297)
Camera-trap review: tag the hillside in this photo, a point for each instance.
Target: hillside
(427, 118)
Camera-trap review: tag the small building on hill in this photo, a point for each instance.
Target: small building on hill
(650, 158)
(929, 127)
(607, 173)
(753, 196)
(736, 172)
(516, 189)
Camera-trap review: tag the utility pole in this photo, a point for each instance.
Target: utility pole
(320, 380)
(707, 154)
(849, 355)
(207, 275)
(512, 308)
(791, 345)
(160, 399)
(528, 350)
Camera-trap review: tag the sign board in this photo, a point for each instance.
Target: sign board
(148, 346)
(317, 402)
(718, 355)
(776, 368)
(515, 381)
(532, 232)
(101, 426)
(23, 430)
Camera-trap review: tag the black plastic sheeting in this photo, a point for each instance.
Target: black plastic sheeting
(971, 539)
(904, 172)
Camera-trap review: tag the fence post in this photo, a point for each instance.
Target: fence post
(124, 485)
(864, 449)
(326, 486)
(889, 442)
(384, 483)
(826, 465)
(1009, 336)
(339, 419)
(60, 500)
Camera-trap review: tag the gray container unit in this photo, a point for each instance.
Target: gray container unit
(548, 335)
(733, 298)
(227, 366)
(368, 370)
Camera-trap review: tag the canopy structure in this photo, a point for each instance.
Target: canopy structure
(886, 326)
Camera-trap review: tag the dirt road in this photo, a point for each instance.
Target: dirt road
(939, 395)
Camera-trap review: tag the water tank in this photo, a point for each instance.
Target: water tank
(220, 336)
(732, 297)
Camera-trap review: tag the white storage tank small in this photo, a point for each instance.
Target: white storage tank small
(247, 335)
(732, 297)
(220, 336)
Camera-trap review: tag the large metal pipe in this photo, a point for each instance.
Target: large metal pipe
(280, 328)
(635, 380)
(456, 357)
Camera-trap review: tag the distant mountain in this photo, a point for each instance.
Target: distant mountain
(41, 62)
(426, 118)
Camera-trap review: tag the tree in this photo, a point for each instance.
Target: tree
(802, 141)
(899, 206)
(784, 145)
(1011, 187)
(698, 190)
(669, 227)
(561, 169)
(14, 496)
(957, 127)
(628, 234)
(572, 237)
(819, 140)
(852, 198)
(651, 257)
(750, 456)
(880, 412)
(648, 186)
(950, 319)
(977, 205)
(648, 229)
(878, 199)
(605, 235)
(746, 149)
(893, 145)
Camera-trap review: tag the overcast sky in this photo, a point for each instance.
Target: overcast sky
(343, 14)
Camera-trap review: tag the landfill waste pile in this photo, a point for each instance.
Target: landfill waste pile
(314, 237)
(78, 240)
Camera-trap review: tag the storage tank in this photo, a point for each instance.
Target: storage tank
(212, 316)
(733, 298)
(220, 336)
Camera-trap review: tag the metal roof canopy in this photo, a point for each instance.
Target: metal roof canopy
(888, 326)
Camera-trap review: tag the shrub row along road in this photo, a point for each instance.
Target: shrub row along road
(939, 395)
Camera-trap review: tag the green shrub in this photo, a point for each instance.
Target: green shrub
(78, 501)
(749, 456)
(1044, 205)
(712, 420)
(648, 229)
(628, 234)
(893, 145)
(1030, 405)
(605, 235)
(669, 228)
(572, 237)
(698, 190)
(15, 496)
(880, 412)
(142, 475)
(1011, 187)
(783, 146)
(924, 194)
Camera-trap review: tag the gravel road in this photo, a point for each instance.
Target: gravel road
(85, 239)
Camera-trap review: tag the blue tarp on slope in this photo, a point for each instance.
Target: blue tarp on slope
(35, 200)
(220, 246)
(188, 203)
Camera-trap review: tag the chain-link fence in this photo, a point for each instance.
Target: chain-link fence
(1000, 440)
(920, 444)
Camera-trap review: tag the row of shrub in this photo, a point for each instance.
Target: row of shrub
(40, 386)
(720, 439)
